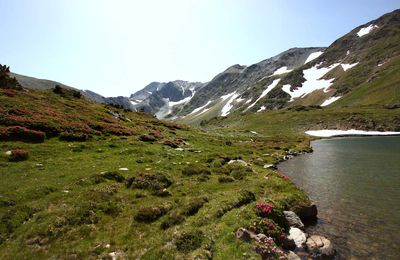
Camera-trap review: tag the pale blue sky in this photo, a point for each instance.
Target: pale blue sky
(116, 47)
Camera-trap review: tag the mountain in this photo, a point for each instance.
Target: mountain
(43, 84)
(360, 68)
(162, 99)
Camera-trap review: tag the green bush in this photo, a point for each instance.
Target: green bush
(225, 179)
(172, 220)
(148, 181)
(73, 137)
(238, 171)
(193, 206)
(189, 241)
(196, 170)
(150, 214)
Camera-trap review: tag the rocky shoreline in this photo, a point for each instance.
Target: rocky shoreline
(297, 243)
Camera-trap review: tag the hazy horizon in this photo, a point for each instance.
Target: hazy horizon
(117, 47)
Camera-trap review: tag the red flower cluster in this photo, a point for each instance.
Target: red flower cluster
(21, 134)
(265, 207)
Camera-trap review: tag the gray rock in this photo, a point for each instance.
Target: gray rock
(293, 220)
(260, 237)
(244, 234)
(320, 246)
(238, 162)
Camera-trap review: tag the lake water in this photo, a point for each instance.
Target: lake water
(355, 183)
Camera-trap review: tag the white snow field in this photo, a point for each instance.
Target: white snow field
(329, 101)
(366, 30)
(228, 106)
(313, 56)
(281, 70)
(331, 133)
(348, 66)
(199, 108)
(313, 82)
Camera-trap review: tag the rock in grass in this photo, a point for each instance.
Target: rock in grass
(293, 220)
(320, 246)
(241, 162)
(298, 236)
(244, 234)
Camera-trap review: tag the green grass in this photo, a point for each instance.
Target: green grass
(57, 204)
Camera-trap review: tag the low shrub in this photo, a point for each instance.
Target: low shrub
(196, 170)
(150, 214)
(269, 228)
(171, 144)
(270, 210)
(19, 133)
(115, 176)
(194, 205)
(148, 181)
(66, 92)
(225, 179)
(147, 138)
(12, 219)
(189, 241)
(172, 220)
(238, 171)
(244, 197)
(18, 155)
(73, 137)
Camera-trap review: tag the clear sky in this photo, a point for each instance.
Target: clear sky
(116, 47)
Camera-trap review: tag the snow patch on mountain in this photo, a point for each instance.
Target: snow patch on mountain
(313, 56)
(282, 70)
(348, 66)
(196, 110)
(262, 108)
(313, 82)
(329, 101)
(366, 30)
(228, 106)
(265, 92)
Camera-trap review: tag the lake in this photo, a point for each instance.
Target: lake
(355, 183)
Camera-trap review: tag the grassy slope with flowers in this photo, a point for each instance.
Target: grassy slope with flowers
(126, 192)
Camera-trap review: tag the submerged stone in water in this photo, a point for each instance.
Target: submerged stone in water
(320, 246)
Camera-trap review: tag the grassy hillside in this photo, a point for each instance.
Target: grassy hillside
(86, 181)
